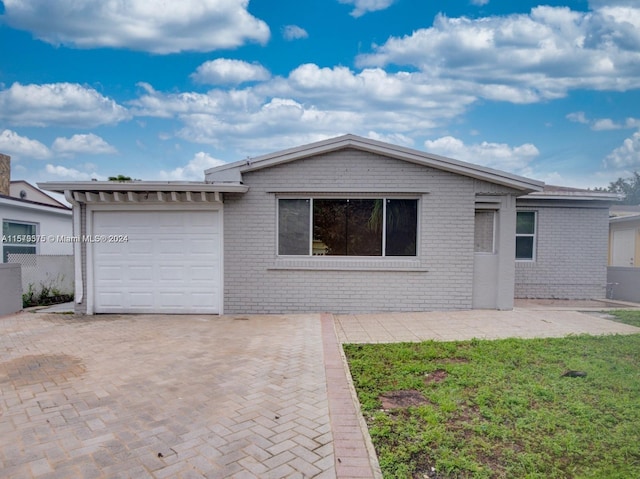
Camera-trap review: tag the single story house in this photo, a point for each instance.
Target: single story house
(346, 224)
(28, 213)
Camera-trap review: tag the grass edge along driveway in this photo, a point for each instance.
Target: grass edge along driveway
(503, 408)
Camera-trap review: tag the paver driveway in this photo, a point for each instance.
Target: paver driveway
(163, 396)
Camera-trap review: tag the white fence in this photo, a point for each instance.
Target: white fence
(55, 272)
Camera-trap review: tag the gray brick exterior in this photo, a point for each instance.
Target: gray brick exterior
(440, 277)
(571, 252)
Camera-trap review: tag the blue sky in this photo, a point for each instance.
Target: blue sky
(163, 90)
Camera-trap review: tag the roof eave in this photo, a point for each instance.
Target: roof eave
(136, 186)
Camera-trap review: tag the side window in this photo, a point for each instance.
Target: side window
(525, 235)
(18, 237)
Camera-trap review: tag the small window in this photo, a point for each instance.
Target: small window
(347, 227)
(18, 237)
(525, 235)
(484, 231)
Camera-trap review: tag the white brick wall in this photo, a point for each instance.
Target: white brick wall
(571, 254)
(440, 278)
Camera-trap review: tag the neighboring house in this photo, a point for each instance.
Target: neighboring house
(343, 225)
(32, 221)
(624, 236)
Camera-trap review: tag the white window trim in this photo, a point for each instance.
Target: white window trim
(384, 199)
(36, 244)
(527, 235)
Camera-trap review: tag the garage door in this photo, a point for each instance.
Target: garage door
(170, 262)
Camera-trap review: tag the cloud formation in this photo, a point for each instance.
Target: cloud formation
(89, 144)
(365, 6)
(63, 172)
(294, 32)
(58, 104)
(192, 171)
(155, 26)
(19, 147)
(493, 155)
(524, 58)
(223, 71)
(627, 156)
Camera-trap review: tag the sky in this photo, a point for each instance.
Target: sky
(162, 90)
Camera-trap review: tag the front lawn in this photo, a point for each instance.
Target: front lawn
(631, 317)
(503, 409)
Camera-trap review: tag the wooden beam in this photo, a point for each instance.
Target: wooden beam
(161, 196)
(132, 196)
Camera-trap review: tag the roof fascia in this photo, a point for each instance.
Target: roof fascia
(61, 187)
(31, 205)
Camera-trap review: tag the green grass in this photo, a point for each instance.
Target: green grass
(504, 410)
(627, 317)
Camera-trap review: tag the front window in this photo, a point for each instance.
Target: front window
(347, 227)
(18, 237)
(525, 235)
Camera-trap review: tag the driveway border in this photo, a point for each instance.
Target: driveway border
(353, 449)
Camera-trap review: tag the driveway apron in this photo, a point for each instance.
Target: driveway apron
(165, 397)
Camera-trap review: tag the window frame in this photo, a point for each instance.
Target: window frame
(33, 243)
(384, 200)
(534, 235)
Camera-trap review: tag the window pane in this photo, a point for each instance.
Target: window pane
(524, 247)
(402, 227)
(364, 228)
(525, 223)
(329, 227)
(293, 227)
(347, 227)
(17, 250)
(22, 229)
(483, 232)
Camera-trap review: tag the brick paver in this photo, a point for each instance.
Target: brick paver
(163, 397)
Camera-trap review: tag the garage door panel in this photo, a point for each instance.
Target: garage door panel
(170, 264)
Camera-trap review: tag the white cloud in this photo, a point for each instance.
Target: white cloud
(60, 104)
(524, 58)
(155, 26)
(514, 159)
(194, 170)
(479, 3)
(578, 117)
(22, 147)
(65, 173)
(223, 71)
(626, 156)
(365, 6)
(86, 144)
(294, 32)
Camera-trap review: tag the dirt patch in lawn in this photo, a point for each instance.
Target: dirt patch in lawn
(402, 398)
(436, 376)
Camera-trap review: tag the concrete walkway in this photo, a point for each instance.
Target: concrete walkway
(543, 321)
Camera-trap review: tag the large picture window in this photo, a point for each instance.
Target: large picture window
(525, 235)
(347, 227)
(18, 237)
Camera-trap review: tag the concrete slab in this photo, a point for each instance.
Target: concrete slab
(553, 321)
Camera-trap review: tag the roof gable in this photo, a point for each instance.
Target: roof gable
(234, 171)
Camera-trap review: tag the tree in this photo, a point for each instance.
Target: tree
(120, 178)
(630, 187)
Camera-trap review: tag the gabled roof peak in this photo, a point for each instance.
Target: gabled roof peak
(233, 171)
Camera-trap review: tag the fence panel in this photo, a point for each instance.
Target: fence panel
(54, 271)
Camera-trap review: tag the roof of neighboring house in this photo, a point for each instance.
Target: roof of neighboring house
(10, 200)
(233, 171)
(553, 192)
(18, 188)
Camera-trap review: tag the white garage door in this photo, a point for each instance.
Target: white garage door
(170, 262)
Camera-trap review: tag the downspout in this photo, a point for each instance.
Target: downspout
(77, 253)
